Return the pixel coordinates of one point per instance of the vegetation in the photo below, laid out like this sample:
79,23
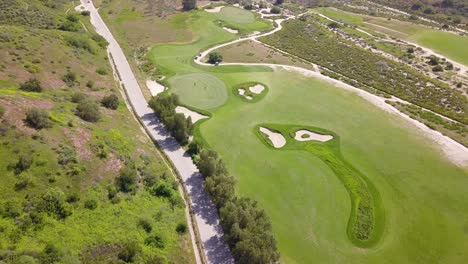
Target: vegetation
177,125
318,45
38,118
189,4
110,101
88,110
31,85
215,58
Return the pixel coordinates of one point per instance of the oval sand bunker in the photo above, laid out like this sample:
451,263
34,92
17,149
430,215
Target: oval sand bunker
189,113
276,139
306,135
257,89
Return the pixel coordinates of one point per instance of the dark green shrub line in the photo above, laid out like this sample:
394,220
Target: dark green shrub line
247,228
308,40
366,219
178,126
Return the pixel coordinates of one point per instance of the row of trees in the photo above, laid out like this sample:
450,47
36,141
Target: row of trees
247,228
179,127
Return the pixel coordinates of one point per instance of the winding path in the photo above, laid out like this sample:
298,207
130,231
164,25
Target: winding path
206,216
453,150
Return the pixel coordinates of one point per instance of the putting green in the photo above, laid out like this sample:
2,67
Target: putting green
423,195
236,15
200,90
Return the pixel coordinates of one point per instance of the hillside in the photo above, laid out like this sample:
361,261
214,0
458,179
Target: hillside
80,181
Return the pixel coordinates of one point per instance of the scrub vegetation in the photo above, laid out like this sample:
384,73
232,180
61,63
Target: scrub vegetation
78,175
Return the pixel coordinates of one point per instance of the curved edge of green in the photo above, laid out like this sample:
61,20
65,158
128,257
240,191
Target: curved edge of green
333,146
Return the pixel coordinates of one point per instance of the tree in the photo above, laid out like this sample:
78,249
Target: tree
31,85
128,252
38,118
127,180
275,10
91,204
279,2
53,202
24,163
88,111
110,101
189,4
215,58
181,228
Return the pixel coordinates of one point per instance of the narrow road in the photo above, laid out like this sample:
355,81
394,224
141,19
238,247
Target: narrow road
207,219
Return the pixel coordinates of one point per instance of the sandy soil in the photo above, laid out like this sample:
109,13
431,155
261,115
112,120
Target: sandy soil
230,30
276,139
242,93
215,10
154,87
257,89
189,113
306,135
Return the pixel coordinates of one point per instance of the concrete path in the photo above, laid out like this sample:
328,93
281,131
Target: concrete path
211,233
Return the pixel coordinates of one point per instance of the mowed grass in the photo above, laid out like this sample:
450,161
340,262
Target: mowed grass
423,195
448,44
200,90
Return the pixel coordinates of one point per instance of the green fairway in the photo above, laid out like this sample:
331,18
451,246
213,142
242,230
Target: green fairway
448,44
423,196
200,90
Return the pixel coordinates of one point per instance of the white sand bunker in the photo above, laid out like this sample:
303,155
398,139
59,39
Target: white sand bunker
258,89
306,135
276,139
189,113
230,30
155,87
242,93
214,10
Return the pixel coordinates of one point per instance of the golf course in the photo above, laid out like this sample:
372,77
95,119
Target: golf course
422,199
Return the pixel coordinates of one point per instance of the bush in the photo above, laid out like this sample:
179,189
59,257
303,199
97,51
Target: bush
215,58
128,252
275,10
38,118
110,101
91,204
69,78
73,198
127,180
181,228
145,224
73,18
2,111
155,241
189,4
31,85
24,163
162,190
51,254
70,26
101,71
53,203
85,13
90,84
437,68
82,42
78,97
88,111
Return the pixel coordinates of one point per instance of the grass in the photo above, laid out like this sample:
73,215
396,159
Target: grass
451,45
422,193
200,90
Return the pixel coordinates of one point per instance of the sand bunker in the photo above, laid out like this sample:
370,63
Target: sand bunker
189,113
242,93
276,139
155,87
214,10
230,30
306,135
258,89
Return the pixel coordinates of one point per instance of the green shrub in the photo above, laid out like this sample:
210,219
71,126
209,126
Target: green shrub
38,118
215,58
181,228
88,111
73,198
53,203
110,101
77,97
90,84
100,40
155,241
127,180
82,42
145,224
24,163
128,252
101,71
73,18
50,254
91,204
161,190
69,78
11,209
85,13
31,85
275,10
70,26
2,111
